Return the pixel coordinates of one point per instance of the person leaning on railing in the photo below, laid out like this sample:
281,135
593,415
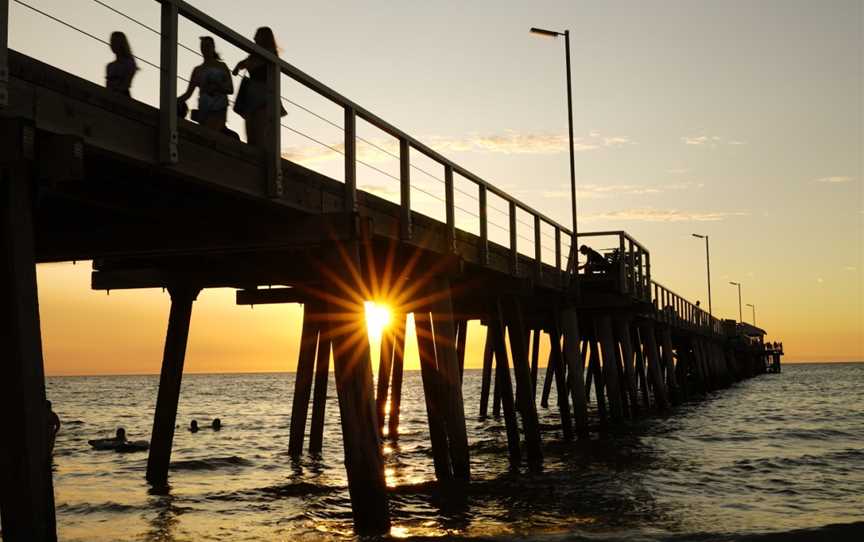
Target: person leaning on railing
251,103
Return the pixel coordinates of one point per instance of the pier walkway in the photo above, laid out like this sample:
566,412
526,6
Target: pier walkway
156,201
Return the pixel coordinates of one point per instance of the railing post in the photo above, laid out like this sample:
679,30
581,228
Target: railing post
405,189
558,253
514,253
484,225
4,53
273,157
168,85
648,268
450,205
538,248
350,160
622,265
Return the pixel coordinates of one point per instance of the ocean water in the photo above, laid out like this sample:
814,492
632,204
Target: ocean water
780,454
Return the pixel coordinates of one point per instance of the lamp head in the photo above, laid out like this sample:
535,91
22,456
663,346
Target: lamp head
546,33
699,236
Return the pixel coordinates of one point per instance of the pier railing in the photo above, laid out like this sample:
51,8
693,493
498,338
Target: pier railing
173,9
673,309
629,261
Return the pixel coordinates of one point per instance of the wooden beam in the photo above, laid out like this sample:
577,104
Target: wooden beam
503,387
269,296
575,369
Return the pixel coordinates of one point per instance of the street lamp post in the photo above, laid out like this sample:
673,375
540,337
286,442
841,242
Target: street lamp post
752,306
708,264
574,254
738,284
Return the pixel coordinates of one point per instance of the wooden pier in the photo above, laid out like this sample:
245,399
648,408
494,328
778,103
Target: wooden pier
158,202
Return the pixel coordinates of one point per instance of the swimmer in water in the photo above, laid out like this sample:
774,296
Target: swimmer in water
217,424
193,427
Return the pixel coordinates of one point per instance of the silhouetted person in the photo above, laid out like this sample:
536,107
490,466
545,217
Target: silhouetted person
53,427
217,424
252,98
193,427
595,262
213,81
119,74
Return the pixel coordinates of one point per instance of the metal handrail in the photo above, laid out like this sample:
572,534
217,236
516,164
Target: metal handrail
172,9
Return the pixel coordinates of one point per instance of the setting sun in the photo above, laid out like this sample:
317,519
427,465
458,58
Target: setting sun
377,319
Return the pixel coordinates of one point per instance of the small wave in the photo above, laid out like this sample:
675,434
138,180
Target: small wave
92,508
212,463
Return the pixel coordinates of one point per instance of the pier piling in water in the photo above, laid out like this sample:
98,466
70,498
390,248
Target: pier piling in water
165,418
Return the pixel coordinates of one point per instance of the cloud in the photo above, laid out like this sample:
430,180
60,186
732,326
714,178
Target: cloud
665,215
506,142
598,191
678,171
710,141
834,180
850,268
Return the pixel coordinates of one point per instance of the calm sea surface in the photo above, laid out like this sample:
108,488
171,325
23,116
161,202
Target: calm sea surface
774,454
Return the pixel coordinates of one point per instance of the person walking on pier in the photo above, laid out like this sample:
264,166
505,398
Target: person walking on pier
119,74
251,101
213,81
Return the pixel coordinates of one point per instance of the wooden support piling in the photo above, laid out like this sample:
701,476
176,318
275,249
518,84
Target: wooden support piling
560,381
597,378
353,370
502,386
669,362
512,310
610,366
461,343
575,360
486,375
432,391
319,395
547,385
622,333
385,364
303,378
652,352
535,361
168,396
398,366
451,380
26,488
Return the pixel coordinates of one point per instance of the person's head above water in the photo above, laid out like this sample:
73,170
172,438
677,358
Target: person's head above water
120,45
208,48
217,424
265,39
193,426
121,433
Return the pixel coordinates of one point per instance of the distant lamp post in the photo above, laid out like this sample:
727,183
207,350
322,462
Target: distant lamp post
738,284
574,253
708,264
752,306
